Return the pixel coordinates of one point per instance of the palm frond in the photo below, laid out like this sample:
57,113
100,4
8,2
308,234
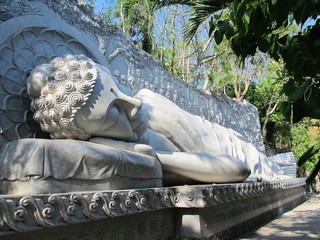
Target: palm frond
165,3
200,12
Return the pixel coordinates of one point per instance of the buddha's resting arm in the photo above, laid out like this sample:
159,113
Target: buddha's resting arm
204,167
121,145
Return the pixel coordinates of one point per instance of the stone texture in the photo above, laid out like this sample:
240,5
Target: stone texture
46,31
132,67
149,225
286,162
226,210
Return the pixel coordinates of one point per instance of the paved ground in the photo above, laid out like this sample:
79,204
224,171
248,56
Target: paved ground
303,222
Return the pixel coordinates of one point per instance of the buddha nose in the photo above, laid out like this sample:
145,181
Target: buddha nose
132,105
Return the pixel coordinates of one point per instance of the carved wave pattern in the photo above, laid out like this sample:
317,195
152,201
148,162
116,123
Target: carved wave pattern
35,212
18,56
32,213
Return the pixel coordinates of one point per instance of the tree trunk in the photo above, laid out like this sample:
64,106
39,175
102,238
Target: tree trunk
269,111
122,18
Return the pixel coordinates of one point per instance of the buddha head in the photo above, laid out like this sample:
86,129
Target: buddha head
73,97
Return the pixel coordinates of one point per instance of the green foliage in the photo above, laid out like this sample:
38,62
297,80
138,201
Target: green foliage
311,157
310,153
137,19
264,25
302,140
280,135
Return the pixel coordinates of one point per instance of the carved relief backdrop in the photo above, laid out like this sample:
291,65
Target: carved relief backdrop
70,28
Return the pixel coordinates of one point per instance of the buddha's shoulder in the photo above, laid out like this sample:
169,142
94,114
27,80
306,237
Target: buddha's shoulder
149,97
144,92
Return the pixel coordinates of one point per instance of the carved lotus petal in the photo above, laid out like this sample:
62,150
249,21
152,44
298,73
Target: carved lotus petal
6,57
39,59
61,49
75,47
24,38
22,57
53,36
43,47
11,84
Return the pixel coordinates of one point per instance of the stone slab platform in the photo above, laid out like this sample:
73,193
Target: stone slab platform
223,211
303,222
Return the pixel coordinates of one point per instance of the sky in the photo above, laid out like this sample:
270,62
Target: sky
99,5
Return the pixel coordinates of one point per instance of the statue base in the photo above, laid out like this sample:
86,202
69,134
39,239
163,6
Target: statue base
219,211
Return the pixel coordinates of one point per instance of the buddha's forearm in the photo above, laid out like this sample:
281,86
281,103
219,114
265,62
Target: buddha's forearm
204,167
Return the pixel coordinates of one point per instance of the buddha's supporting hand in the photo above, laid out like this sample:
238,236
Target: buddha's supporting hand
129,146
204,167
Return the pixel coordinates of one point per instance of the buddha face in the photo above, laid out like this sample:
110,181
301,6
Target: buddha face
73,97
111,113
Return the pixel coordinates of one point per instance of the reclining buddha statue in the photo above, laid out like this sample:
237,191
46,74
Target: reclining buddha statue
103,138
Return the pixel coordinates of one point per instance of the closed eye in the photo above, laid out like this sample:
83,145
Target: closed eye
114,93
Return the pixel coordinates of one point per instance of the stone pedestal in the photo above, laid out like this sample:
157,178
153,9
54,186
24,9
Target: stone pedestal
223,211
232,219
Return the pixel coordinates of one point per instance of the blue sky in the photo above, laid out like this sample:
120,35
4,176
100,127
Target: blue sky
99,5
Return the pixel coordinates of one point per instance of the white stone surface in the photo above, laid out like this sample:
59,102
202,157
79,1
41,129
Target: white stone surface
219,136
286,162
